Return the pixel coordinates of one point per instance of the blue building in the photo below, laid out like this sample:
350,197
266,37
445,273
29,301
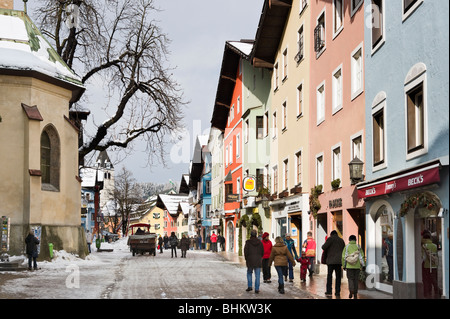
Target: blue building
406,187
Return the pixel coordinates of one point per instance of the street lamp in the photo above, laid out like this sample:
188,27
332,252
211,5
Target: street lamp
356,170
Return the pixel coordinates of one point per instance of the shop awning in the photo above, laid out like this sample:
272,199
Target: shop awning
417,176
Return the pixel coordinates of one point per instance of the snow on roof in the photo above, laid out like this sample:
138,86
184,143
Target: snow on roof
184,207
244,47
87,175
170,202
22,47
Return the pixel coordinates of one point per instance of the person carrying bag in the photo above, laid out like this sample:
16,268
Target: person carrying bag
353,262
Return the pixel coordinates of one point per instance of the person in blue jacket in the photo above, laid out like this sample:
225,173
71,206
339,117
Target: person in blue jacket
289,242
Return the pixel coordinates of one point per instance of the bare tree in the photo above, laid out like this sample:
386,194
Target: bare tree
117,43
126,194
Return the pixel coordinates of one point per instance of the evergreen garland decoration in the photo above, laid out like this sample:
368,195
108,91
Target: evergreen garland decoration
418,200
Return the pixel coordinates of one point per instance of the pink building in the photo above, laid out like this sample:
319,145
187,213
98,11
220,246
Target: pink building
337,115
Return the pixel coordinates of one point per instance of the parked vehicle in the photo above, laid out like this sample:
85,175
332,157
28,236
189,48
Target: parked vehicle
142,241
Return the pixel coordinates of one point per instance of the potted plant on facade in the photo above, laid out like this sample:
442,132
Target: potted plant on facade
314,203
335,184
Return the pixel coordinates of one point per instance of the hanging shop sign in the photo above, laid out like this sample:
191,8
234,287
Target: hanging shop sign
249,184
417,178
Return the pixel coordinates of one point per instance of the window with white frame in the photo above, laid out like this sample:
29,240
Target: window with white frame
320,103
377,24
354,6
266,175
259,127
300,43
275,77
286,174
232,113
337,89
378,135
415,114
226,156
238,143
246,130
284,115
338,16
409,6
238,185
336,168
266,123
298,164
319,170
230,148
319,35
300,100
357,71
238,105
274,124
356,147
275,179
285,63
303,4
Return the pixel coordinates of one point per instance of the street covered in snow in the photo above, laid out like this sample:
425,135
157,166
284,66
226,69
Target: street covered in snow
119,275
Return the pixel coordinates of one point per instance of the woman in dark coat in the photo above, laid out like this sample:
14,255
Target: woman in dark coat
184,245
160,244
31,249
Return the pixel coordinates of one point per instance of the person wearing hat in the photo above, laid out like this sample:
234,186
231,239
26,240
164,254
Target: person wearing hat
289,242
267,244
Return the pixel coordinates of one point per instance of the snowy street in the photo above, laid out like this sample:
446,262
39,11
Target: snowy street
119,275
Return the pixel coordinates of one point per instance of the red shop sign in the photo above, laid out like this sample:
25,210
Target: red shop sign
408,181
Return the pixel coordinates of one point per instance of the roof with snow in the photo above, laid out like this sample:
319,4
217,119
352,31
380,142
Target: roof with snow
24,49
170,202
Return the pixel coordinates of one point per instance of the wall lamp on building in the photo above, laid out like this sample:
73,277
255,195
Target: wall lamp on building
356,170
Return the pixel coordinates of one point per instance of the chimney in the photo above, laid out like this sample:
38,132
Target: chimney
7,4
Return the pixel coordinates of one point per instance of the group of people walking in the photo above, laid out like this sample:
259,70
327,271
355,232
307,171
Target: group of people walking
186,243
261,254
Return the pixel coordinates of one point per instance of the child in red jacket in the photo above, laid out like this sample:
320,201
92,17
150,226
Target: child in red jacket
304,262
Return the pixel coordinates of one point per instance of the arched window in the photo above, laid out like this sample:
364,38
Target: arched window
50,159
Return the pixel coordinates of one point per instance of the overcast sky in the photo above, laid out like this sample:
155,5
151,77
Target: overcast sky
198,30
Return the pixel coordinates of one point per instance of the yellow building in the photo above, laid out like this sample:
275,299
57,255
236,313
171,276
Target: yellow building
283,44
40,186
149,213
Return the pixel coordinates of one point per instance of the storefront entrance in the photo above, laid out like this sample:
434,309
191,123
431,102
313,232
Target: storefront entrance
428,252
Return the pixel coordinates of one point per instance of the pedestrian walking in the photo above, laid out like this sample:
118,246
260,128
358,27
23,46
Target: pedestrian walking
430,263
222,243
166,241
310,251
213,239
290,244
199,242
333,249
184,245
267,244
353,262
253,252
304,264
89,239
279,257
31,249
208,242
191,243
173,240
160,244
